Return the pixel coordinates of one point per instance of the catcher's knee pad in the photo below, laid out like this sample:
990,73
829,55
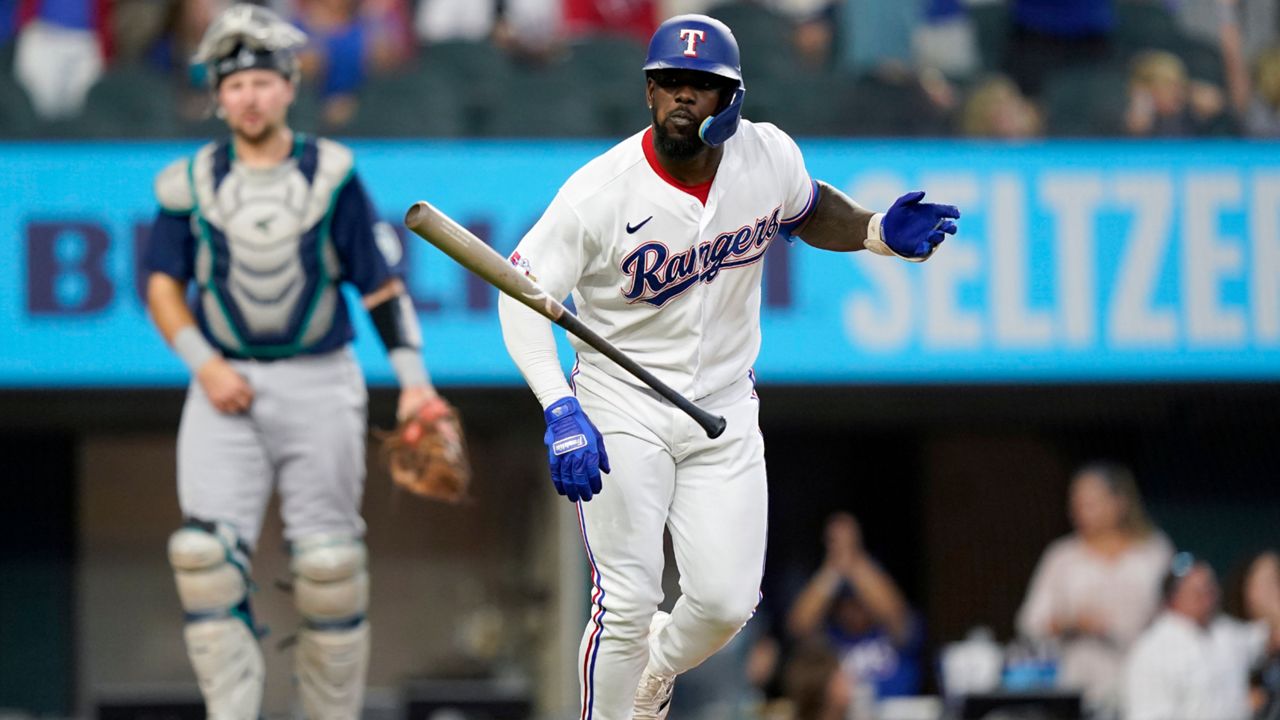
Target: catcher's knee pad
331,589
211,568
330,581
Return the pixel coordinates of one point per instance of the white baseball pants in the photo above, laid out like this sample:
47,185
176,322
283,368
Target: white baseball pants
713,497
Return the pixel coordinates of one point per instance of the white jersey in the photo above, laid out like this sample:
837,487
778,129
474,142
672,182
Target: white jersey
672,283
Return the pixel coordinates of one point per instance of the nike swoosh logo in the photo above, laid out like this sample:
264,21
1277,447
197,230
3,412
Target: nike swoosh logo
633,230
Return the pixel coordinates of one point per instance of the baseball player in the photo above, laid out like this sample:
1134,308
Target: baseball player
659,240
267,225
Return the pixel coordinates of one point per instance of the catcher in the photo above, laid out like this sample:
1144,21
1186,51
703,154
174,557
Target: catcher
268,224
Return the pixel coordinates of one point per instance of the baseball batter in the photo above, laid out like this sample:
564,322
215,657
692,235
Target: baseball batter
660,242
267,225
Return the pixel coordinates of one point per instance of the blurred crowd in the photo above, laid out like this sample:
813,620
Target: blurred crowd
1116,624
1010,69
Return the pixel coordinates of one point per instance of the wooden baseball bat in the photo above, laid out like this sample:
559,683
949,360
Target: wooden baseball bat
472,253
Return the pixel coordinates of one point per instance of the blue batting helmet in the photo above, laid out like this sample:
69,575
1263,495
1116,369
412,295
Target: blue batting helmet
698,42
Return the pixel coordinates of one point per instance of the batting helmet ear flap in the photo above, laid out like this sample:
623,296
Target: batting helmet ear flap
721,126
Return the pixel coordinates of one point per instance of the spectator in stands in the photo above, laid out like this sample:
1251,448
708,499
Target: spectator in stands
61,52
814,684
1258,22
859,610
635,18
1097,588
441,20
348,40
1049,35
996,108
529,29
1255,97
8,21
877,33
140,28
1253,595
1164,102
946,39
812,28
1193,662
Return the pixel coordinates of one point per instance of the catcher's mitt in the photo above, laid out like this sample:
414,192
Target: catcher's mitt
427,453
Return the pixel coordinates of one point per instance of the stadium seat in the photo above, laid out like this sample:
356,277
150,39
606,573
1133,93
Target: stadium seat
608,68
1145,26
18,120
128,102
804,106
886,106
1204,61
548,102
607,58
478,71
764,37
991,25
411,103
1086,102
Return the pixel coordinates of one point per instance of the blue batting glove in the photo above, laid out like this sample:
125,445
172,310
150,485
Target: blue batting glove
575,449
914,229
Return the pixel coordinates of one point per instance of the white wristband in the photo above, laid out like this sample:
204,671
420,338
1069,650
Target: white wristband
192,348
876,244
408,367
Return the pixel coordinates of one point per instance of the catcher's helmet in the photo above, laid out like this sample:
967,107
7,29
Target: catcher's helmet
698,42
246,37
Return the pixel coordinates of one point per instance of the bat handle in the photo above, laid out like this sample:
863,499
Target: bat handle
713,424
715,428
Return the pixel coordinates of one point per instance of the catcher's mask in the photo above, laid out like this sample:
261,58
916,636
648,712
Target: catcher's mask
249,37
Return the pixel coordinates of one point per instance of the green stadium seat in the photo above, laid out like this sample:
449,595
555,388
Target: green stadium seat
608,68
1143,25
18,120
128,102
1204,61
607,58
888,106
1086,102
804,106
478,71
764,38
412,103
992,26
547,103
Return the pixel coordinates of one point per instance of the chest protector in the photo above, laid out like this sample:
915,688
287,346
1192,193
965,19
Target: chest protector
265,262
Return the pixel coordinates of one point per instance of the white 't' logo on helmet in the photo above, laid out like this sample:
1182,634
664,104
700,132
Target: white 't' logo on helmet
691,38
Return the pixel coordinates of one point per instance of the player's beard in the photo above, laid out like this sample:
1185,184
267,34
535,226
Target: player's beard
260,137
676,147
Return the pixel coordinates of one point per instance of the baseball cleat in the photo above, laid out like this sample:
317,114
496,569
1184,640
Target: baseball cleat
653,695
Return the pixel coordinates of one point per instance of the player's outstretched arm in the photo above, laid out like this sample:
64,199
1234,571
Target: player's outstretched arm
836,223
909,229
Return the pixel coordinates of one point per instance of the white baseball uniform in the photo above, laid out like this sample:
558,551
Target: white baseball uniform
675,283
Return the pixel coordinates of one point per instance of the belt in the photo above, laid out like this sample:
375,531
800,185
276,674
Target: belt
250,358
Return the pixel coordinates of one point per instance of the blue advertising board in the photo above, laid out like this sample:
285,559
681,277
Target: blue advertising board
1075,262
